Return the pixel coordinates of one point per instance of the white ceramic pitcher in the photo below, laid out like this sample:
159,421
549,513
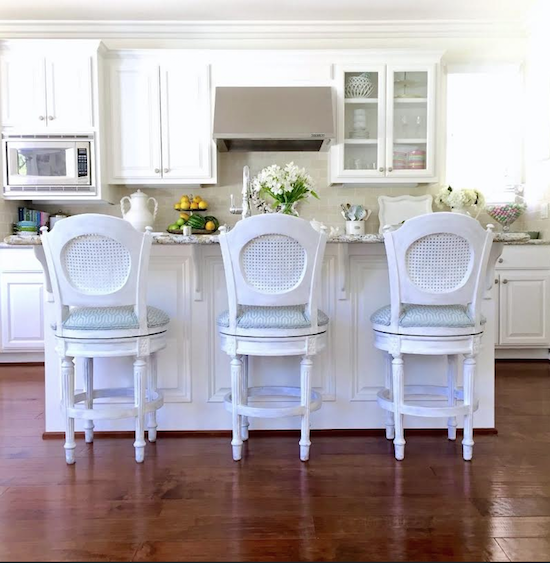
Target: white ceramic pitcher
138,213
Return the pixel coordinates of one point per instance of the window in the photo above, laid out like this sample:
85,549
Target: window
485,130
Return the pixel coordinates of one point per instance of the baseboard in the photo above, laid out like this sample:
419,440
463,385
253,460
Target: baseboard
338,432
22,358
522,354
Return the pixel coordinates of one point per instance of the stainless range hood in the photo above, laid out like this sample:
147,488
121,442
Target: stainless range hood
274,118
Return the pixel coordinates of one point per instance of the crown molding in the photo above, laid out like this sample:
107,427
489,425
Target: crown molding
243,31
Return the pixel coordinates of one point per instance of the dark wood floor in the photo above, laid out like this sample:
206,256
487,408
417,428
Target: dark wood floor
351,502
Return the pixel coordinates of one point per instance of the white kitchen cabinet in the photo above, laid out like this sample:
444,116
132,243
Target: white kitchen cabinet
135,122
46,93
22,311
524,308
21,302
69,92
185,115
23,91
522,295
160,122
385,133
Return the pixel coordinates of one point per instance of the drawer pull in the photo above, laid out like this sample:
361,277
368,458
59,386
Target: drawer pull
504,281
500,260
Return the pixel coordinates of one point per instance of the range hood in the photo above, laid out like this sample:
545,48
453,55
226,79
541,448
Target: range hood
273,118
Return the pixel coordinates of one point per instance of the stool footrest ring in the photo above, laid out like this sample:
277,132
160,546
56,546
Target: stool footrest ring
274,392
383,399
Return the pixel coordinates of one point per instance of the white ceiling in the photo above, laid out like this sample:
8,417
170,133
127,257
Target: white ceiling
267,10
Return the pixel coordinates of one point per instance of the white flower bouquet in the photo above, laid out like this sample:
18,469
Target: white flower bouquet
285,186
460,199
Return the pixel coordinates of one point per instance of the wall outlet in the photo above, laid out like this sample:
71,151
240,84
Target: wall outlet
544,211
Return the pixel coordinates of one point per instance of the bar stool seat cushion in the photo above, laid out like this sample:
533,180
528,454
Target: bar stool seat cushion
433,316
112,318
255,317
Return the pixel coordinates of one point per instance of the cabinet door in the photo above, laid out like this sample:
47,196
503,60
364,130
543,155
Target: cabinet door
186,132
22,313
361,128
524,308
23,92
69,92
410,137
135,122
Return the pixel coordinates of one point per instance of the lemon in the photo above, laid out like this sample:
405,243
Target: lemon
184,198
210,226
184,216
177,206
185,206
194,205
203,205
197,199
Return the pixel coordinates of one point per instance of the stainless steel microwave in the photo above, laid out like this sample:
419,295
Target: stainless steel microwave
48,164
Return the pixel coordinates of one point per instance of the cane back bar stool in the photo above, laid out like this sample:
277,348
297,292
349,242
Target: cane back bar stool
437,266
272,265
98,266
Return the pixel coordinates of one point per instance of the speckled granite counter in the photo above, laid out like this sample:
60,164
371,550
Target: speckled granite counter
166,238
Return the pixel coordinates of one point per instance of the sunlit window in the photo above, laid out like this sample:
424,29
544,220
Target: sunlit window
485,131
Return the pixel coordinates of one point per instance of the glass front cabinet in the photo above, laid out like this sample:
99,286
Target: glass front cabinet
385,124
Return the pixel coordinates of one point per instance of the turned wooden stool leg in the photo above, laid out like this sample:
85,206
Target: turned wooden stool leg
152,392
89,386
244,399
236,386
452,366
469,371
140,374
398,399
390,425
305,386
67,375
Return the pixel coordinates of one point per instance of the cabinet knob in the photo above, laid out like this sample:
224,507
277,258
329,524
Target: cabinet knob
41,117
157,170
381,169
504,281
390,169
51,117
500,260
167,170
496,281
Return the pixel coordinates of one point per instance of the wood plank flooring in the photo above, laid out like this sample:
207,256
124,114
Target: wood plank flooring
351,502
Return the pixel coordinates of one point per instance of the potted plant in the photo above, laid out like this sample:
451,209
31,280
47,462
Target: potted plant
460,200
284,187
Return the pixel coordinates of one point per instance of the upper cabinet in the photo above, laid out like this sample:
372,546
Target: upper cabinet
160,122
385,123
46,93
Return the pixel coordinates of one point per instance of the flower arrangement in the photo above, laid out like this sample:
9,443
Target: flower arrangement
285,186
459,199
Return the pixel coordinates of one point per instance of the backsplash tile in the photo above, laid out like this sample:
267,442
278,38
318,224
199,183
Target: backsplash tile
230,169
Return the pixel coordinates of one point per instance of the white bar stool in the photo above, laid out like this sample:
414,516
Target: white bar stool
98,267
272,267
437,269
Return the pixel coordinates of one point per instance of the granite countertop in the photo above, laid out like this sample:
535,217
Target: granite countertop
166,238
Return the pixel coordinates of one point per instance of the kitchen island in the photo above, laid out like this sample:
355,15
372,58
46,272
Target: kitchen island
187,281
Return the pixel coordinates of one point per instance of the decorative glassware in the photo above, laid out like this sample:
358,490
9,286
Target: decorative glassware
506,213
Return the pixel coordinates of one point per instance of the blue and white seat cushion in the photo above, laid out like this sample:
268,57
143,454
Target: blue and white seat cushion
255,317
427,316
112,318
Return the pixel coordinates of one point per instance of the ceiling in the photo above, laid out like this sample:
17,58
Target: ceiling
266,10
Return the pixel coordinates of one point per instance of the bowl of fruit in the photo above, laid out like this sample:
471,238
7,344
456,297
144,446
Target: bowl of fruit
190,214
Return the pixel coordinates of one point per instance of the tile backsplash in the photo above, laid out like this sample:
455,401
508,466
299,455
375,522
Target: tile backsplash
230,166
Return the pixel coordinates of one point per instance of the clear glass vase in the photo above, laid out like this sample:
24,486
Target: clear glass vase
289,209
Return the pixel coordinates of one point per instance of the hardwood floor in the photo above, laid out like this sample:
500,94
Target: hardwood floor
351,502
